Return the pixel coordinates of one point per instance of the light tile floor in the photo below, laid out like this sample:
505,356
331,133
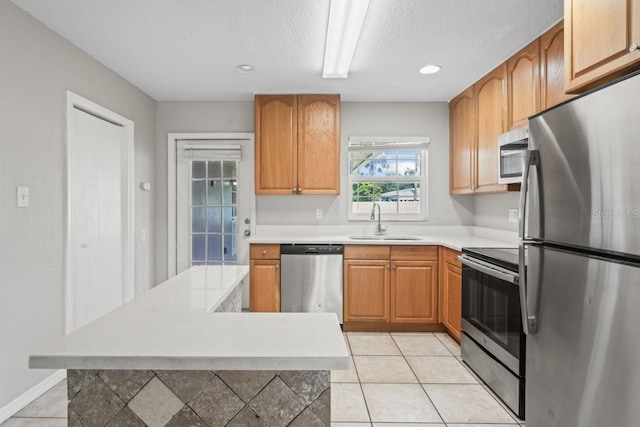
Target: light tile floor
395,380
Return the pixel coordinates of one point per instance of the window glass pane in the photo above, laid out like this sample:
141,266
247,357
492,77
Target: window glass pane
214,169
197,169
214,193
408,163
197,220
197,247
229,170
214,247
229,192
198,192
230,220
230,247
214,220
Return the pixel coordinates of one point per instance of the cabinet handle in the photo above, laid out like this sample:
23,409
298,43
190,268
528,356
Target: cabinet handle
264,252
277,266
299,190
393,267
295,190
633,47
388,266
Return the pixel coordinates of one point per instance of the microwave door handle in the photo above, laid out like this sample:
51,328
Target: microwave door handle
530,159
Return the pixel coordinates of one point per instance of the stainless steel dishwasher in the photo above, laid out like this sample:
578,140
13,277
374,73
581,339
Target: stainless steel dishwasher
311,279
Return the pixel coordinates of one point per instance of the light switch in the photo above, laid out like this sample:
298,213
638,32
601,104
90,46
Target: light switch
513,215
143,235
23,197
319,213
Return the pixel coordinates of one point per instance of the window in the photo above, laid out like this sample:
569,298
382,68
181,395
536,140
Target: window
390,172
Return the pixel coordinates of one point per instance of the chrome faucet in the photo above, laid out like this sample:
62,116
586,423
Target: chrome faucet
380,228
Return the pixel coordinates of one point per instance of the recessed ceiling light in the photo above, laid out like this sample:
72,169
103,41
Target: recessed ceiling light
430,69
245,68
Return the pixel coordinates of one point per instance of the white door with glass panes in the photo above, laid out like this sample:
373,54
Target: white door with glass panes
214,198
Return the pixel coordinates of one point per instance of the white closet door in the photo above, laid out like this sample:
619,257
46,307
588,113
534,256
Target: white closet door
97,216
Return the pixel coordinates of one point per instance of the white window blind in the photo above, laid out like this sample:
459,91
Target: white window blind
191,152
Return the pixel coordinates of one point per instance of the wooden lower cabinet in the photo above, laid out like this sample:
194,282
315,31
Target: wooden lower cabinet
414,291
391,288
450,290
264,278
366,291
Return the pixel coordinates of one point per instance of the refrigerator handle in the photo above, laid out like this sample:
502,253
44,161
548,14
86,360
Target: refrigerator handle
529,321
530,159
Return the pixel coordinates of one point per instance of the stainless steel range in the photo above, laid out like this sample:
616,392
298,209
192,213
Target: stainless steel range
492,339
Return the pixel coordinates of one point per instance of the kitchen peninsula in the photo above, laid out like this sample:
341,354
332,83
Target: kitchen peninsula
172,357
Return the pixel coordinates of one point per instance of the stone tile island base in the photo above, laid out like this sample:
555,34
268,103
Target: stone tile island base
198,398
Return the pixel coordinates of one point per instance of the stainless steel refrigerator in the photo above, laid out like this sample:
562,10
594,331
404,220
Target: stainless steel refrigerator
580,289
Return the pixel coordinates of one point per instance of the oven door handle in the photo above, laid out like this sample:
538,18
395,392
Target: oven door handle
489,270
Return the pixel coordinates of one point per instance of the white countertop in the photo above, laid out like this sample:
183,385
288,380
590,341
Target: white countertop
172,327
456,242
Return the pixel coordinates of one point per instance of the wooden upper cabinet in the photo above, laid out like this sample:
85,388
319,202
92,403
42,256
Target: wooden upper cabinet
297,144
319,144
491,109
523,79
276,144
462,146
552,67
599,41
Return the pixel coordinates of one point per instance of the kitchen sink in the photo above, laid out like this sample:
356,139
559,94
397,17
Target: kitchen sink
385,238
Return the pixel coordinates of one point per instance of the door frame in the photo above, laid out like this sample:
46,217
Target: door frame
172,206
76,101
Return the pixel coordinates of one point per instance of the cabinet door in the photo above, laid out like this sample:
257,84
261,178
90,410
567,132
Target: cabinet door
491,109
451,288
264,285
598,40
276,151
523,77
462,124
319,144
366,291
414,291
552,67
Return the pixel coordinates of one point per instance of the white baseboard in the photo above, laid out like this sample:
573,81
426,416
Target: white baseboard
30,395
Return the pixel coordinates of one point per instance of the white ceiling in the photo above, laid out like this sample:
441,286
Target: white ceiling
187,50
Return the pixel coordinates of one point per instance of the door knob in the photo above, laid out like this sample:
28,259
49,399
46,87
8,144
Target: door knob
247,233
633,47
247,221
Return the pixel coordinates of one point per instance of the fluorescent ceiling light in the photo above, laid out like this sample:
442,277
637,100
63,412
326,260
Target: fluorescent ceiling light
430,69
345,23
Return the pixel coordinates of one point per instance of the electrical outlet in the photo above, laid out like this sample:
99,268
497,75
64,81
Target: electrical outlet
513,215
22,196
143,235
319,213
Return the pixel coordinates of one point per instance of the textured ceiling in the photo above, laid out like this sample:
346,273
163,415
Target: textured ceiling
187,50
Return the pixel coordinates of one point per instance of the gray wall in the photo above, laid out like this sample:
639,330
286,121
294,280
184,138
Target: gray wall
380,119
357,119
492,210
188,117
38,67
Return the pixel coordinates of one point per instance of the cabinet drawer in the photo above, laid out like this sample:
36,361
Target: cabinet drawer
451,257
265,251
414,253
366,252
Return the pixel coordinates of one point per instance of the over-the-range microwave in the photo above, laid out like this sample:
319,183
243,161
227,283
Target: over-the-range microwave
512,147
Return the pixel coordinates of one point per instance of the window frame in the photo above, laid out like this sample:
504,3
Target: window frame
385,144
